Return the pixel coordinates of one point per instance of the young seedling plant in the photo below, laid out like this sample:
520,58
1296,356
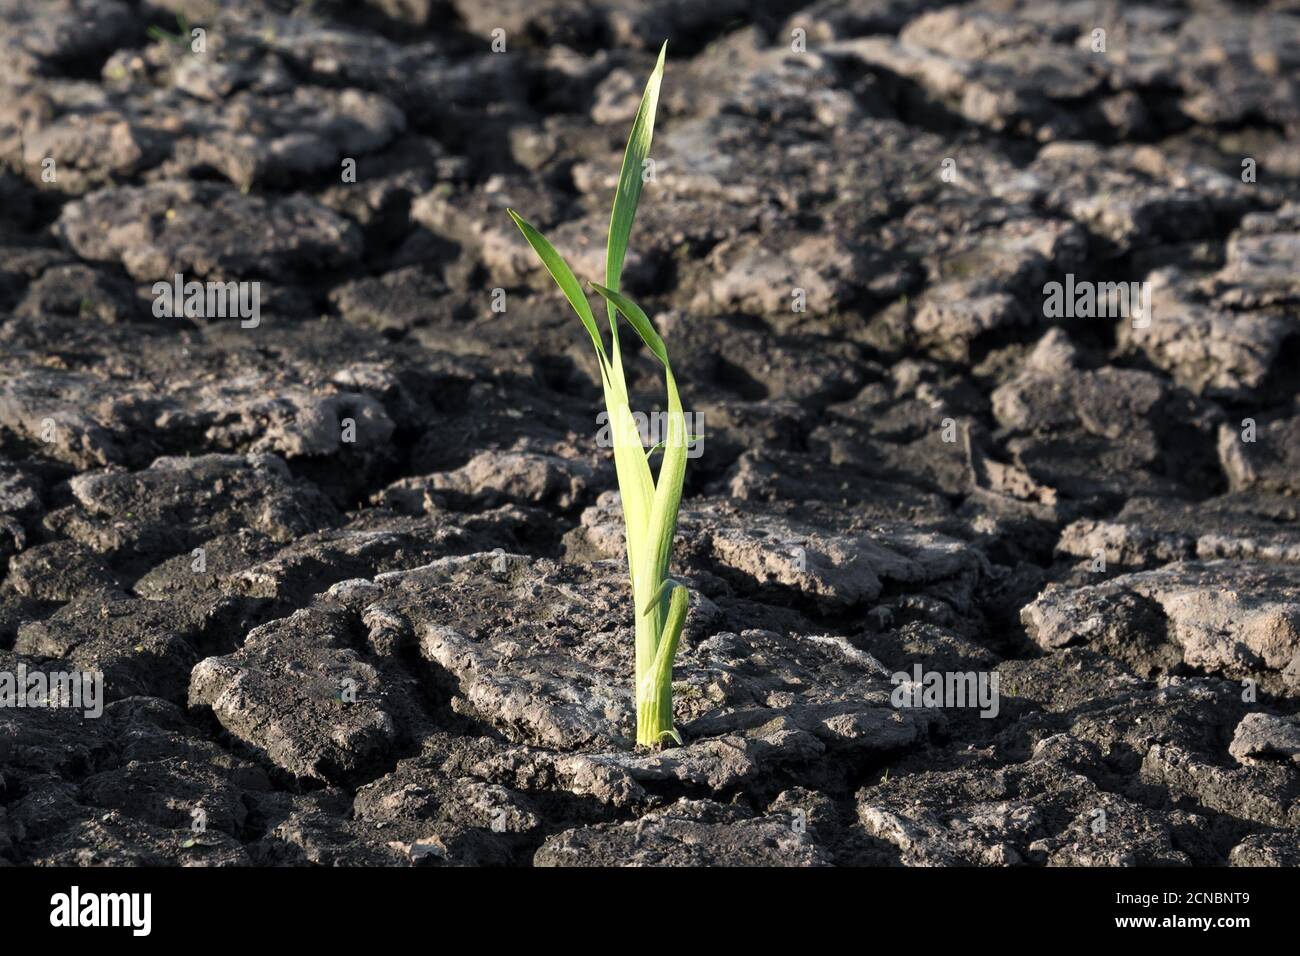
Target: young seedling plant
649,506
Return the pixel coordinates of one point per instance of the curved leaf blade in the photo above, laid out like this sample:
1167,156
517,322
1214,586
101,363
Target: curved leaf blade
637,318
567,281
630,178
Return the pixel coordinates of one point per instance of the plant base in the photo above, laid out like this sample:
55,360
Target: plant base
654,718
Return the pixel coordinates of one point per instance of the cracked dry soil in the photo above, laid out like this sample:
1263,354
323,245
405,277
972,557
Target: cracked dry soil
412,643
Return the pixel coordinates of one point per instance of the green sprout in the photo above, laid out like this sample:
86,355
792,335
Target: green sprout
649,506
181,38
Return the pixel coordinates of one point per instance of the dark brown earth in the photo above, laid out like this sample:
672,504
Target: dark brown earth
410,642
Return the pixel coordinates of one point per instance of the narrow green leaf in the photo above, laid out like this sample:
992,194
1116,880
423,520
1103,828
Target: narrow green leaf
673,733
630,183
636,493
636,486
638,320
690,440
668,489
667,649
567,282
658,595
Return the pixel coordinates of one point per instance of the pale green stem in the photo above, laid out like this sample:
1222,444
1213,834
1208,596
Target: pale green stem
654,688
